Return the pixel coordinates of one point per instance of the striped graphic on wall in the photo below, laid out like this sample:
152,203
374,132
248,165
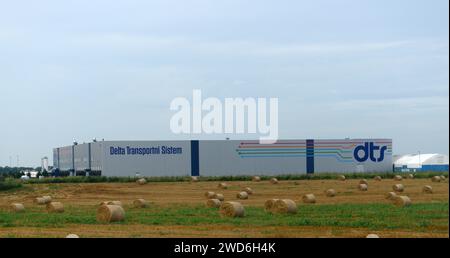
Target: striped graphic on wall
340,150
253,149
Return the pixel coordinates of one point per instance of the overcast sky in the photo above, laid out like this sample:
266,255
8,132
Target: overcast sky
109,69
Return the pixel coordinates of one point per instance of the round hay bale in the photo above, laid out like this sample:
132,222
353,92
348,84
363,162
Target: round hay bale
248,190
256,179
40,200
398,188
223,186
309,198
219,197
284,206
443,178
330,193
274,181
194,179
341,178
372,236
55,207
268,205
119,203
210,195
47,199
103,203
296,183
391,195
140,203
363,181
232,209
427,189
402,201
213,203
377,178
72,236
363,187
410,176
398,178
141,181
436,179
17,207
242,195
110,213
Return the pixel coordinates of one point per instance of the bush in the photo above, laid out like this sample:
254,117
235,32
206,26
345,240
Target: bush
7,184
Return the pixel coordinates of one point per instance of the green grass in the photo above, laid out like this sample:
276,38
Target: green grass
9,184
321,176
418,217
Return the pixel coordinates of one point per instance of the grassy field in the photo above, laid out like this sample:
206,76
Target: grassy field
177,210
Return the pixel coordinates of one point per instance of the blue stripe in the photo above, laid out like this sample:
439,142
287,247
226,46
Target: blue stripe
434,168
310,156
195,159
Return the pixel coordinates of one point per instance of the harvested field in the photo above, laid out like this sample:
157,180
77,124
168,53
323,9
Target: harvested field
178,210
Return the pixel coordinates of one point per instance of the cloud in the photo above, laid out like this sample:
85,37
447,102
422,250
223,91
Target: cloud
140,43
399,104
320,49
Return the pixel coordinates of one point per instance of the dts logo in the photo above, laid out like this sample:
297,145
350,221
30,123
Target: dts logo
366,151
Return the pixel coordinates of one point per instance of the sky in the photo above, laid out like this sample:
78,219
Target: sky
80,69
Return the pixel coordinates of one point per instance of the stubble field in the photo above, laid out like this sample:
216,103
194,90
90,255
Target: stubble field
177,209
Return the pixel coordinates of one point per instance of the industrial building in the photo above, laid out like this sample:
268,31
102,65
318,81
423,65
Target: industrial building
224,157
420,162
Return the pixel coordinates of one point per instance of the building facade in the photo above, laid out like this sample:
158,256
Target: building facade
224,157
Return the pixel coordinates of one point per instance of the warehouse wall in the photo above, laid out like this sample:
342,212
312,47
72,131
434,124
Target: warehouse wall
217,158
339,155
56,158
81,157
152,164
97,156
250,157
66,158
293,156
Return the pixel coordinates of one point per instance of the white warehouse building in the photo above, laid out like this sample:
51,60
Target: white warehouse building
223,157
421,162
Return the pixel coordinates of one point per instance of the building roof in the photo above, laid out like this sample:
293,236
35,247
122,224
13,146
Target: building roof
417,160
